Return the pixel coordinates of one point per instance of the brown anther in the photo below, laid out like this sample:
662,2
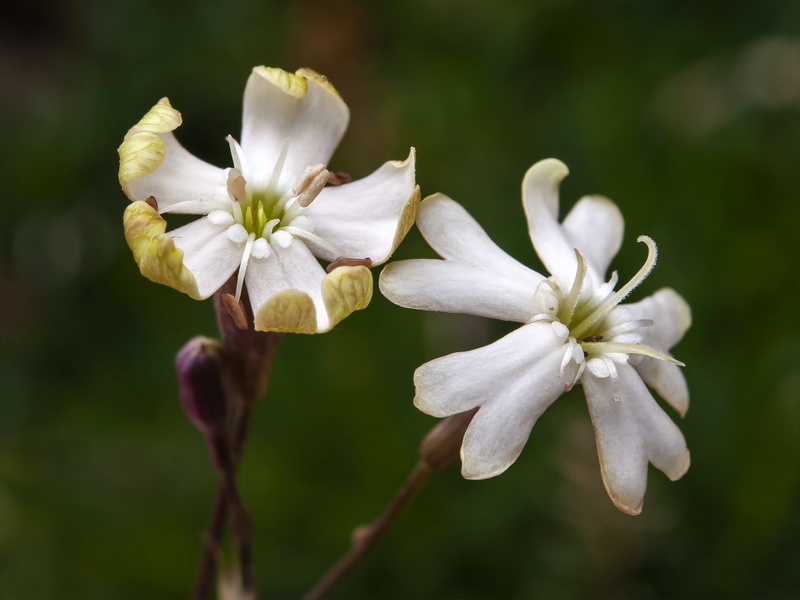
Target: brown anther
311,183
237,184
339,177
151,201
593,338
235,309
344,261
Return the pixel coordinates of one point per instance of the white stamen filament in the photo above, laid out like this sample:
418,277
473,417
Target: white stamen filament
243,265
602,311
237,210
237,159
276,171
606,347
626,327
614,374
269,226
311,237
567,308
568,353
283,200
209,203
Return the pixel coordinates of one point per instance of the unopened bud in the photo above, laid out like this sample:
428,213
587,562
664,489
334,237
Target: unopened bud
311,183
440,447
201,369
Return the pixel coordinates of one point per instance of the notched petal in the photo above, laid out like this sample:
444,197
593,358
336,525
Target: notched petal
154,251
345,290
143,150
290,311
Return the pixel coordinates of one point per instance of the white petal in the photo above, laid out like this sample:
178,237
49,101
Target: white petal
293,267
461,381
667,379
447,286
301,107
455,235
361,219
595,226
513,380
182,184
630,433
540,200
669,312
207,253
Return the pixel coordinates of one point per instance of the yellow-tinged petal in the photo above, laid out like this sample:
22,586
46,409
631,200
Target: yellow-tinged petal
346,289
293,84
319,79
154,251
290,311
407,218
159,119
143,149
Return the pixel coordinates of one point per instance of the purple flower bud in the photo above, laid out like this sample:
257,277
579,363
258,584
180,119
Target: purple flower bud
202,370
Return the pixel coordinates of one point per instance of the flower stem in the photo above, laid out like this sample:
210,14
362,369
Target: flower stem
219,516
438,449
251,353
366,536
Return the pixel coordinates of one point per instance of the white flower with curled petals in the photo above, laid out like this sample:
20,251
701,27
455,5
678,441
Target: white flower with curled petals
269,217
574,331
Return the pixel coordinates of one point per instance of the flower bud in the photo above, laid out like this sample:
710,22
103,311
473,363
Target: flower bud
441,446
201,369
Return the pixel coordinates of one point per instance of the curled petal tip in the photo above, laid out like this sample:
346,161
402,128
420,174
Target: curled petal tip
549,171
346,289
319,79
143,151
290,83
154,251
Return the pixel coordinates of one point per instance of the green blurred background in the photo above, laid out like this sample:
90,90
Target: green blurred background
685,113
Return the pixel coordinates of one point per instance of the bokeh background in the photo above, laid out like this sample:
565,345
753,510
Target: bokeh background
685,113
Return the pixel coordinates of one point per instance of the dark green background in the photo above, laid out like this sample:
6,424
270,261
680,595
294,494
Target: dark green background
676,110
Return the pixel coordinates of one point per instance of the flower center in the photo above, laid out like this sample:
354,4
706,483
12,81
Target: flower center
263,219
586,318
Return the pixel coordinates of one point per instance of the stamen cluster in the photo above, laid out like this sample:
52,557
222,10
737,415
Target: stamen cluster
593,340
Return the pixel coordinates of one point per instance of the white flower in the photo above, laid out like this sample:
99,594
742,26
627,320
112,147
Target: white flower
270,216
574,331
